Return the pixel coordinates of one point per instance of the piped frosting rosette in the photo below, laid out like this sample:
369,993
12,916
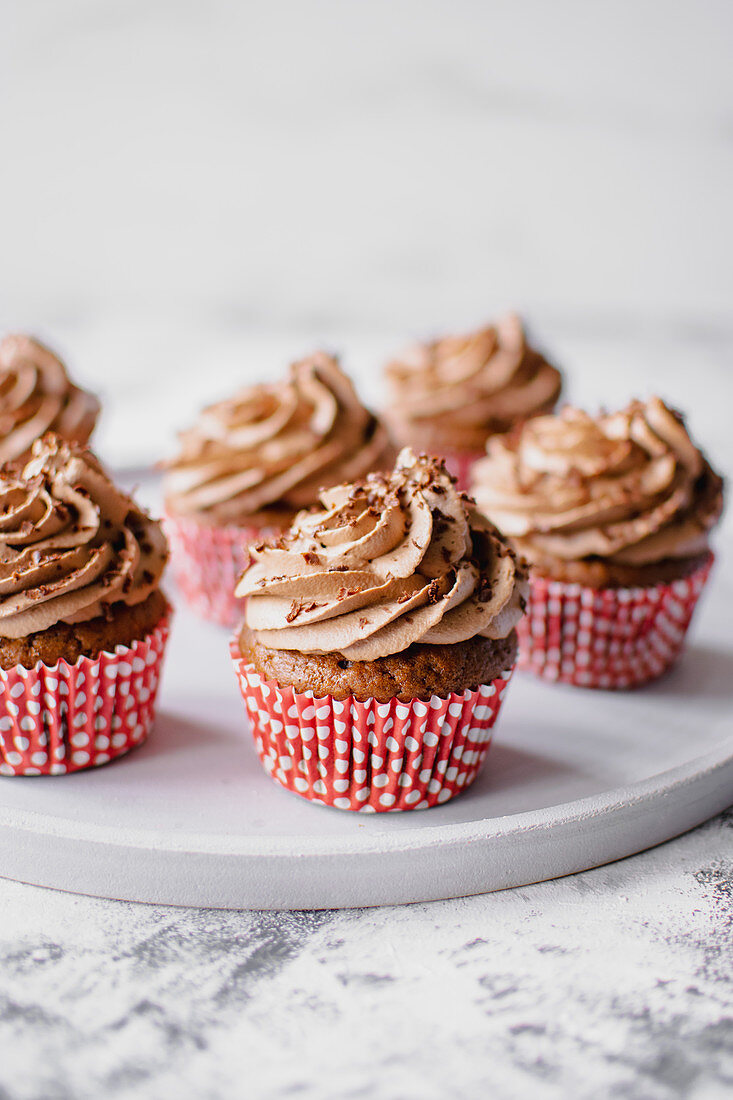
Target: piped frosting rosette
451,394
251,462
71,543
275,445
614,513
73,548
385,564
37,396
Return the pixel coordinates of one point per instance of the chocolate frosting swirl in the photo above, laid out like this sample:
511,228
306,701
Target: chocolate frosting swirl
71,544
628,487
457,391
394,560
276,445
37,396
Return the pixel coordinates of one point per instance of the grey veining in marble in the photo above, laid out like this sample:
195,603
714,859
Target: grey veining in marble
612,983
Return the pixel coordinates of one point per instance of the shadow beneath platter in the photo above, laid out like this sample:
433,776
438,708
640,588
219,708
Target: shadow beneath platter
702,671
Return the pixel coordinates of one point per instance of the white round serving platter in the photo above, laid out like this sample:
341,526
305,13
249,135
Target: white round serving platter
575,778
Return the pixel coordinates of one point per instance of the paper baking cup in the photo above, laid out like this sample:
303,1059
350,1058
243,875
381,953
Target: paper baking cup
607,637
370,756
206,563
63,718
460,463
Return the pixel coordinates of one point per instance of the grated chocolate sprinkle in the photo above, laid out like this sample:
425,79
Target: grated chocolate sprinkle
434,594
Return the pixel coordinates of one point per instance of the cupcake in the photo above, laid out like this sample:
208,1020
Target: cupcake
37,396
613,512
251,463
379,639
83,622
450,395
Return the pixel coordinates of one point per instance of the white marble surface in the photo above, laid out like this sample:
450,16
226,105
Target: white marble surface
190,194
614,983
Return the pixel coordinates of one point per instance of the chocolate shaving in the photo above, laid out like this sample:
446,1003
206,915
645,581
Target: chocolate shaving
485,590
433,593
344,592
297,608
293,612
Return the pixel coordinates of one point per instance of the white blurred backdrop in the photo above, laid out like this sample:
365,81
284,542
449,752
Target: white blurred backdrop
191,193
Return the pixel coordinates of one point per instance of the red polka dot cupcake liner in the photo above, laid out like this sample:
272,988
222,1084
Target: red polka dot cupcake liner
56,719
206,563
607,637
370,756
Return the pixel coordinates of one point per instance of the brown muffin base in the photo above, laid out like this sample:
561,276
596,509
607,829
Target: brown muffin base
419,672
88,639
596,573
